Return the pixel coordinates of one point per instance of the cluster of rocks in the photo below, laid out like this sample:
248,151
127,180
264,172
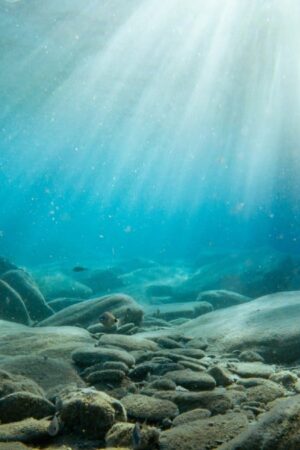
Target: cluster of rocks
220,372
181,392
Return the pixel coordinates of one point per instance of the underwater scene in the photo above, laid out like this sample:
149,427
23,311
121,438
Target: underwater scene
150,224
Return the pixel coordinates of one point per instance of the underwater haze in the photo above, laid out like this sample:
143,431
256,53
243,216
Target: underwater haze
148,128
149,224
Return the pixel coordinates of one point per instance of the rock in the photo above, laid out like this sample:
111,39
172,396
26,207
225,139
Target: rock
222,298
100,280
216,401
61,303
173,311
32,297
285,377
199,343
203,434
167,342
57,285
106,376
11,383
252,370
203,308
129,343
277,429
196,381
47,373
28,430
252,274
221,376
52,342
88,356
142,407
22,405
250,356
266,392
12,307
267,325
6,265
162,384
90,413
191,416
87,313
121,435
109,365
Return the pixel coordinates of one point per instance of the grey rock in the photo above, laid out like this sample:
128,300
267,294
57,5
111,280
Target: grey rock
61,303
12,383
267,325
90,413
47,373
205,433
129,343
216,401
277,429
106,376
222,298
252,370
191,416
142,407
88,356
87,313
34,300
22,405
203,308
28,430
250,356
195,381
120,434
12,307
221,376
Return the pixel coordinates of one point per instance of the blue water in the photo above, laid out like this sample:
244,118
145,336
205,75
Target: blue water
148,128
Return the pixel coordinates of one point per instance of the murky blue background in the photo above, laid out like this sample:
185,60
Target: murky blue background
148,128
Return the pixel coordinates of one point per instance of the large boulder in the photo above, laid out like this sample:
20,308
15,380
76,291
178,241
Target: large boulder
277,429
35,303
87,313
203,434
90,412
89,355
268,325
252,274
12,307
222,298
22,405
154,410
46,372
57,285
47,342
12,383
27,430
129,343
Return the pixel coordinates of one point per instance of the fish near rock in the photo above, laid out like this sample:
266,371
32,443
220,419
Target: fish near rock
108,320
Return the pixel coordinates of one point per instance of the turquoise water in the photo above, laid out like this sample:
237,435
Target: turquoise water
148,128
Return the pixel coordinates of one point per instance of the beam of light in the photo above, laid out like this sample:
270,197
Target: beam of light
166,104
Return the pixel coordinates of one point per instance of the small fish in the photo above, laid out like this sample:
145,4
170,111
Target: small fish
136,435
54,426
108,320
79,269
